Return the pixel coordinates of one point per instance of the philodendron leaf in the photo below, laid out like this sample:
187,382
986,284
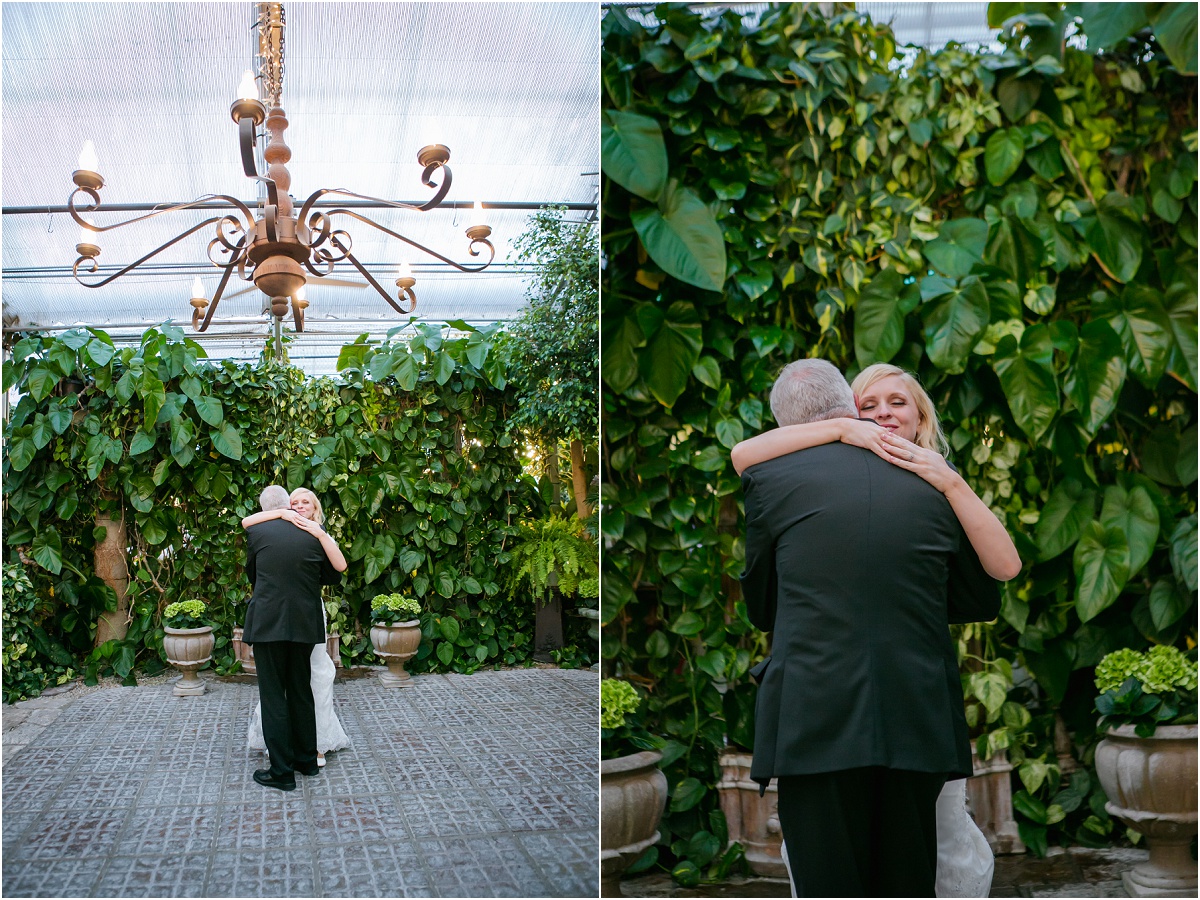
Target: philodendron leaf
1167,603
1114,236
1068,509
1138,318
879,319
228,441
1175,31
666,365
46,549
632,153
1183,551
1003,154
1107,23
1101,569
1180,304
1132,512
958,247
953,324
683,238
1094,382
1026,372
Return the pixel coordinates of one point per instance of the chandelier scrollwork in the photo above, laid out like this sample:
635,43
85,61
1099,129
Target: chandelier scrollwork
275,248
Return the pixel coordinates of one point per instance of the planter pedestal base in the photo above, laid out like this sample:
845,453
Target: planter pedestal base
1159,875
191,685
395,676
633,795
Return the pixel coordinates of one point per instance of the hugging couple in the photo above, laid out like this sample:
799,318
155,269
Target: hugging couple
862,545
289,556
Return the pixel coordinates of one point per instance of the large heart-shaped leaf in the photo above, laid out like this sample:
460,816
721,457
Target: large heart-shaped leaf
1114,235
683,238
1026,372
1107,23
1134,513
227,440
1014,249
1183,551
632,152
958,247
1138,318
1180,305
879,319
1101,569
46,549
1175,30
210,410
21,448
1017,93
1094,382
1167,603
1003,154
619,361
1068,509
953,324
667,363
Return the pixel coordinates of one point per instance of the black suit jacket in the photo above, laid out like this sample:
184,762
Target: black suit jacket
857,566
286,567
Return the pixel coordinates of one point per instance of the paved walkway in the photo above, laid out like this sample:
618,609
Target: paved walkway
477,785
1078,872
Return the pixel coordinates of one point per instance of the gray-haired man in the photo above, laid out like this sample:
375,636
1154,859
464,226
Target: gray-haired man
854,564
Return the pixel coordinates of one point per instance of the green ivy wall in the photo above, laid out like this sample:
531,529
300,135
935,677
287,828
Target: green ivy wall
1020,231
408,449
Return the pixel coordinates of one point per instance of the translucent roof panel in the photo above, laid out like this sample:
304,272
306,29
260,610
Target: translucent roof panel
511,88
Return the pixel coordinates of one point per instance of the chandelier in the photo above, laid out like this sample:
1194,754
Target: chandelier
275,248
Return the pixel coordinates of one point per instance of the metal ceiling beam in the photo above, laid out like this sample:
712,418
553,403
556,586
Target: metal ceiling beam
320,204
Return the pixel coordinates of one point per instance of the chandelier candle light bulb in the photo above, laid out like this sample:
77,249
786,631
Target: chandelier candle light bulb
476,230
86,175
87,246
248,87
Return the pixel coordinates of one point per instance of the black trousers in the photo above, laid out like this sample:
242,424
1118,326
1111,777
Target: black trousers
289,719
868,832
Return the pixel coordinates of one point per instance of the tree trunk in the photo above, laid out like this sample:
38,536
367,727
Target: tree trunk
579,480
112,567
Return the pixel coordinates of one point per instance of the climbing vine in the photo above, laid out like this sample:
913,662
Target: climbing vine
1018,229
408,449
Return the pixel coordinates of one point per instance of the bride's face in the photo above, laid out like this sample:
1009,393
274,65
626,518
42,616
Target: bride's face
303,504
889,403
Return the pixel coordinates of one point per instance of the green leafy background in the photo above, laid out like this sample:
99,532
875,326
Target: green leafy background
1018,229
422,481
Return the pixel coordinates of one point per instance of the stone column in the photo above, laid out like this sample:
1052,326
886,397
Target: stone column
112,567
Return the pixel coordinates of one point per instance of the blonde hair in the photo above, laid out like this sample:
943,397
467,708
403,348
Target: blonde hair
929,429
318,513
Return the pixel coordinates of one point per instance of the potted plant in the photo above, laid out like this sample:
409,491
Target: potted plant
554,558
1147,761
633,790
396,635
187,643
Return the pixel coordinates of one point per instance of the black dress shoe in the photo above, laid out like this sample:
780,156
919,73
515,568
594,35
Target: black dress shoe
266,779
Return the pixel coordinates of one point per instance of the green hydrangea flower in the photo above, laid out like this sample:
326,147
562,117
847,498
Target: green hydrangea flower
1165,669
1116,667
617,699
191,609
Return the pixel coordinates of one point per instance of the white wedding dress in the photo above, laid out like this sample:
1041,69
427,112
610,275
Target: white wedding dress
330,735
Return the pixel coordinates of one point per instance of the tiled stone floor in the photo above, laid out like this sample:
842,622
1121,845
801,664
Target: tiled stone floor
1078,872
461,786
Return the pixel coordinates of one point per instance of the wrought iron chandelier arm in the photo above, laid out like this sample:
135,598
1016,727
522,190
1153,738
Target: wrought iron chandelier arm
471,249
94,206
375,284
212,306
179,237
424,207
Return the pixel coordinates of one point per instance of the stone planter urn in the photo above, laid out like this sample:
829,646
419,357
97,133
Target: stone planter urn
633,795
188,649
1151,787
395,645
753,820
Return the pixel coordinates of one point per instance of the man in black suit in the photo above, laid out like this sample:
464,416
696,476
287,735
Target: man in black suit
857,566
286,566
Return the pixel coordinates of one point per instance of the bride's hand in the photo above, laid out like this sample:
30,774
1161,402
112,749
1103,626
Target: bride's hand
867,435
929,465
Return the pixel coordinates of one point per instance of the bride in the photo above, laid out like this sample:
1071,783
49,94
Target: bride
330,735
906,433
